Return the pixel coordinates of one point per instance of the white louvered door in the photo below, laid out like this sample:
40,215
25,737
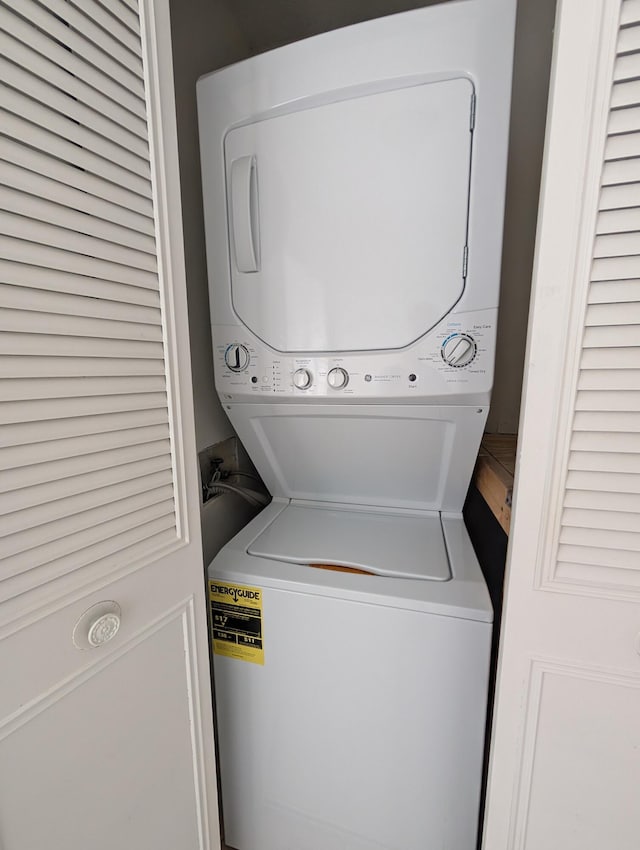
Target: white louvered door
106,735
565,763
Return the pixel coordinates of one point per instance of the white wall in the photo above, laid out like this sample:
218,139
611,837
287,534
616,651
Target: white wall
205,37
534,40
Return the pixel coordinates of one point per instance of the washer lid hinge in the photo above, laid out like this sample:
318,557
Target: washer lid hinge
472,120
465,261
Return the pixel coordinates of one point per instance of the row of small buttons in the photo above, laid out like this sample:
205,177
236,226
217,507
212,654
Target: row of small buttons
336,378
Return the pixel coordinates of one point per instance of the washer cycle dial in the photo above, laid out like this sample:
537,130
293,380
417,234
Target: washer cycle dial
458,350
236,357
302,379
338,378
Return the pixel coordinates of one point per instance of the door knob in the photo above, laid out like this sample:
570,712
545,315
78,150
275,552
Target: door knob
98,625
103,629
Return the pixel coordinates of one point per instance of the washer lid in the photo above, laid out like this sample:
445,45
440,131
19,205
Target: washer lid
348,220
388,544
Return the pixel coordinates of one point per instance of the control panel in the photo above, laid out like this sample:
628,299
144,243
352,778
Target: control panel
455,358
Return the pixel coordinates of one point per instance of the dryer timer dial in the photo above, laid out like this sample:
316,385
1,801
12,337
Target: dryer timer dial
458,350
237,357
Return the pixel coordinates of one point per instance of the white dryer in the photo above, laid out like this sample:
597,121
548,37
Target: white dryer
354,189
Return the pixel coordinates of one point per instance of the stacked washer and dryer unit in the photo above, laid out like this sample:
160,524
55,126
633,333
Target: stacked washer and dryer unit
354,190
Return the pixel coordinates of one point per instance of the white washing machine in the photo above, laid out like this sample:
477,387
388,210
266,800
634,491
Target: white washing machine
354,191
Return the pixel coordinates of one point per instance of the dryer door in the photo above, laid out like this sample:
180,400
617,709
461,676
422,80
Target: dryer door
348,220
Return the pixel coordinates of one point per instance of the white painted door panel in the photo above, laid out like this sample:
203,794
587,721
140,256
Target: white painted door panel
353,248
103,747
109,746
565,761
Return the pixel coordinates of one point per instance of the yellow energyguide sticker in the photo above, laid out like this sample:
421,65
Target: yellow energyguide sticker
236,621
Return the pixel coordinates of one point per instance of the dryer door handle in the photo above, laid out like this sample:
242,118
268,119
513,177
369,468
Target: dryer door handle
244,213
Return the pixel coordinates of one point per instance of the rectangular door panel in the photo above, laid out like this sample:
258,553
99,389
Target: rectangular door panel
348,220
99,747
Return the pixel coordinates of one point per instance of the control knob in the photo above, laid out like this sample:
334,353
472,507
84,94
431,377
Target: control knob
302,379
458,350
237,357
338,378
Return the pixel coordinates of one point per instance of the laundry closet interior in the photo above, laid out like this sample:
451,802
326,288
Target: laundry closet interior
208,36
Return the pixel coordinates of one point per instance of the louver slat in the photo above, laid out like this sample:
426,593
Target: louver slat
49,450
621,335
48,345
61,118
630,13
26,298
50,492
605,462
626,94
609,379
108,26
20,53
618,197
607,420
627,67
73,544
128,17
40,514
49,388
76,66
617,245
34,322
24,81
597,557
609,292
33,433
150,504
605,441
629,39
622,170
82,21
610,400
86,464
33,207
108,554
76,42
87,367
134,230
611,482
43,410
601,315
607,520
53,145
616,542
55,470
612,358
619,221
38,230
134,210
46,279
600,527
604,501
32,253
